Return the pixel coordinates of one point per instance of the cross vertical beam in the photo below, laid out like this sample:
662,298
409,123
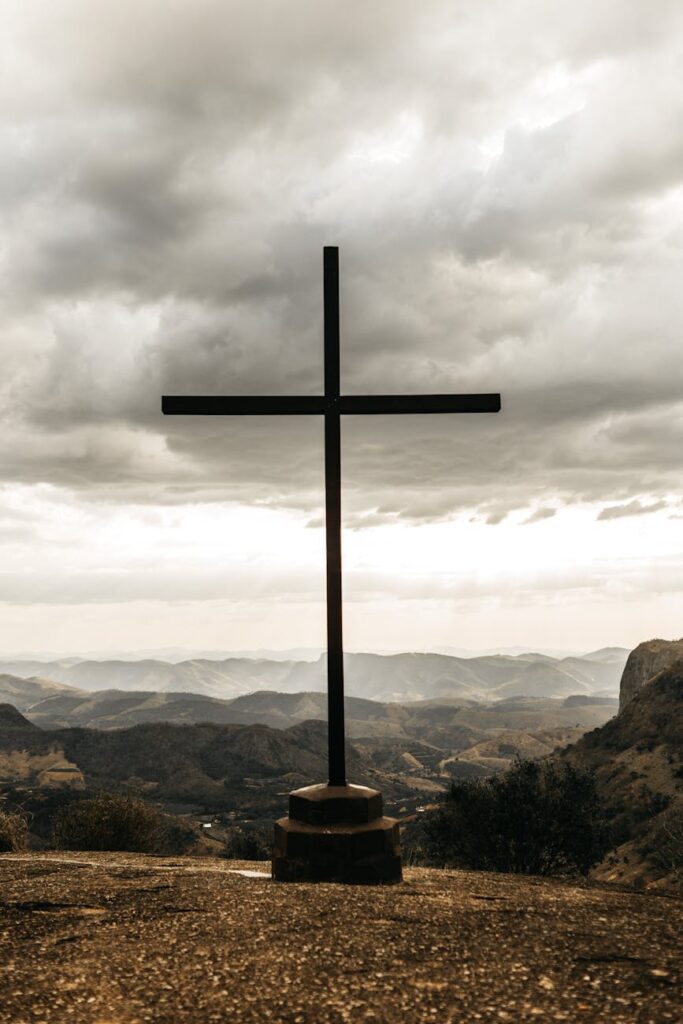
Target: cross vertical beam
335,656
332,405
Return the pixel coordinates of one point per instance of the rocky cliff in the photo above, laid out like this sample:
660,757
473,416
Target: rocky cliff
648,659
637,758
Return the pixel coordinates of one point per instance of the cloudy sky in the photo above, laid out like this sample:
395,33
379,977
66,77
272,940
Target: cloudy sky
505,183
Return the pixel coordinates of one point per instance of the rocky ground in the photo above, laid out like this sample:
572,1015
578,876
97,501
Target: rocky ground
123,938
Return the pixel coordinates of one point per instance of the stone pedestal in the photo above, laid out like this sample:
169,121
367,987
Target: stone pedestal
336,834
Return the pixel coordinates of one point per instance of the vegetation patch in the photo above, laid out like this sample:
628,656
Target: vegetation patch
13,831
110,822
249,844
537,818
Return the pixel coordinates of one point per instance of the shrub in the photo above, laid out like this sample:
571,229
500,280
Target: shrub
109,822
251,844
178,837
536,818
13,831
668,845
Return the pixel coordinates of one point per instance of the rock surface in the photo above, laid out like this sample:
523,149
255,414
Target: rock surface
104,938
644,663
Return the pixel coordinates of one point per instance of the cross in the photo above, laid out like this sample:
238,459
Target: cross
332,405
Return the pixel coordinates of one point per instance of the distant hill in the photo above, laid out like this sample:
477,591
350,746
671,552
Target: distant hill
250,768
495,754
120,709
249,752
10,718
442,721
396,677
212,678
23,692
607,655
581,701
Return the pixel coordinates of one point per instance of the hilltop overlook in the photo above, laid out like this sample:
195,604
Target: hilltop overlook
95,937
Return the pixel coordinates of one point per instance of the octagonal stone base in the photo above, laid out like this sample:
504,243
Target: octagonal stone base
336,834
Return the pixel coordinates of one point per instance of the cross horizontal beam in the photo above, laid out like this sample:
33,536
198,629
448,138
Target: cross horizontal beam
296,405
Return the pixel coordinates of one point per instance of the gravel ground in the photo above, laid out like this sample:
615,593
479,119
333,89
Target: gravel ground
104,938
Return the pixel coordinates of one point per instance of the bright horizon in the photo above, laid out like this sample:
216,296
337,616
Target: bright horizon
176,655
400,582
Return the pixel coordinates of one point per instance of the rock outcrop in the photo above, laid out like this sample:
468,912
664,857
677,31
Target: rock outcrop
637,759
645,662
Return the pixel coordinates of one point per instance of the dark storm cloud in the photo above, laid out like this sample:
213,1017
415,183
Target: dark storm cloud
502,180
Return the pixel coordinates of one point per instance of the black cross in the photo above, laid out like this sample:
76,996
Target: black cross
332,406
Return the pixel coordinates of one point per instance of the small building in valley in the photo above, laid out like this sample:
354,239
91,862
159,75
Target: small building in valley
62,775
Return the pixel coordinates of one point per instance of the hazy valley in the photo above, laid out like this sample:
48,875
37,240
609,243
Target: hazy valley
233,760
466,717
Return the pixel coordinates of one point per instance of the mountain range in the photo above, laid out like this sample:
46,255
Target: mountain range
443,721
413,720
243,769
269,742
388,678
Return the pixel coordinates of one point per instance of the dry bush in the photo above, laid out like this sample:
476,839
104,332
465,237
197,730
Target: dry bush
13,831
110,822
668,854
249,844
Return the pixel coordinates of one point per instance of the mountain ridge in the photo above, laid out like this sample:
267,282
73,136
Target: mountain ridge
392,677
115,709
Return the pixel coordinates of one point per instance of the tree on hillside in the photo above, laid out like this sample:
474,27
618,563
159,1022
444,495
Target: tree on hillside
539,817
